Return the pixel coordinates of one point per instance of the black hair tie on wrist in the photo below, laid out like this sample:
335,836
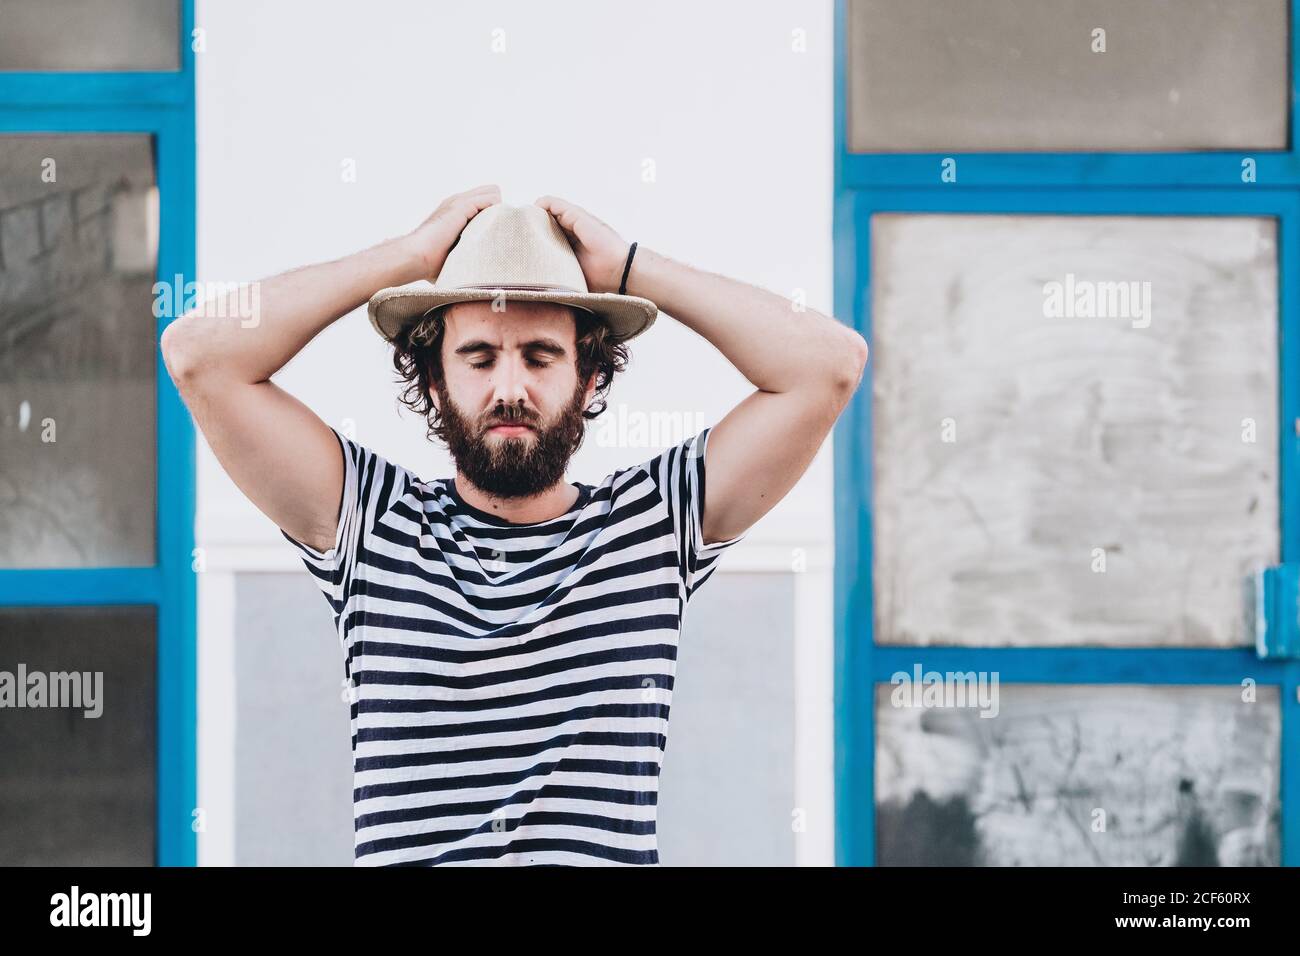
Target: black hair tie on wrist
627,267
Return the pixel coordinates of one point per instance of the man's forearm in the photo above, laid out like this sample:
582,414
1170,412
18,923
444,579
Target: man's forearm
775,346
214,338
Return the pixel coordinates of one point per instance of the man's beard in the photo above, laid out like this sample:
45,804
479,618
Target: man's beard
516,467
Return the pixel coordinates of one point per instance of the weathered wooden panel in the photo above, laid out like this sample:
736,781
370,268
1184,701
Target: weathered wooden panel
1081,776
1043,478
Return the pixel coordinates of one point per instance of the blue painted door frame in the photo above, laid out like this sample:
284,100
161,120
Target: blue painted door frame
162,105
1156,184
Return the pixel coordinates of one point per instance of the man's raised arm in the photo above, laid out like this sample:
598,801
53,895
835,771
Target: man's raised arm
275,449
805,367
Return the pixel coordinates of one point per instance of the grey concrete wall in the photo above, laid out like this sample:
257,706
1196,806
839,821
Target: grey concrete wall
726,792
293,759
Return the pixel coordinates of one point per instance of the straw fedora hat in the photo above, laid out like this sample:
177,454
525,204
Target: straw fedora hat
521,254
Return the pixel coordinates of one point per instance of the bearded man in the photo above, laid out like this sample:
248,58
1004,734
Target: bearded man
509,636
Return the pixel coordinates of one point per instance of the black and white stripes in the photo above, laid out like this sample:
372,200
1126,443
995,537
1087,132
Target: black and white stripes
512,682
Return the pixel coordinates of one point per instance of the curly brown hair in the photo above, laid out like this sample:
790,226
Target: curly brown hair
417,358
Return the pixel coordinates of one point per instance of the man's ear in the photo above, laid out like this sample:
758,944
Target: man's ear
432,392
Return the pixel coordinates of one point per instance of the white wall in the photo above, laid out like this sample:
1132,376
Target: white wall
736,123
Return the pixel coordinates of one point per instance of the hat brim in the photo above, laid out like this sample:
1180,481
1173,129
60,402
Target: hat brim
391,309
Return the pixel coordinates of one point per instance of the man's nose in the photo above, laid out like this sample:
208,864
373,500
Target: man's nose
510,383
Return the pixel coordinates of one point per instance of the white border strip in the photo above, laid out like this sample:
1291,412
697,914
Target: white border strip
217,716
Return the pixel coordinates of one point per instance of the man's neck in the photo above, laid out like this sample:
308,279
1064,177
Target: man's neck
544,506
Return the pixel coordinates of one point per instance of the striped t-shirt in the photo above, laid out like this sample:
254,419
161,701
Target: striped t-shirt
511,683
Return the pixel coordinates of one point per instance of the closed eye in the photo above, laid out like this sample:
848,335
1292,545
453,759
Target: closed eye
486,363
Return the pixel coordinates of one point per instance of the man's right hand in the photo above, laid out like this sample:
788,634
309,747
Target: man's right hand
279,453
434,237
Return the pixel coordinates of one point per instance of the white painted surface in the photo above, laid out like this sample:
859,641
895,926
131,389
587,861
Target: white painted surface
584,99
217,715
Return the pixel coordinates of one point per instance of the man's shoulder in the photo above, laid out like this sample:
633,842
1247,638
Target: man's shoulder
367,459
650,474
383,483
672,459
624,478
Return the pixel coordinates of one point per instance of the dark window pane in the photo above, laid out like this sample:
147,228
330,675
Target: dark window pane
77,355
77,789
89,35
1075,775
978,75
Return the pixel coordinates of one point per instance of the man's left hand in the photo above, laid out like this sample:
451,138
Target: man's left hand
601,251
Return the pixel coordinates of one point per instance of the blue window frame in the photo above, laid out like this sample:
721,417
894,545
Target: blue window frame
162,105
1165,184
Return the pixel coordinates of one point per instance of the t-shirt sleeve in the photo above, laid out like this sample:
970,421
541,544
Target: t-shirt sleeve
371,485
679,474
